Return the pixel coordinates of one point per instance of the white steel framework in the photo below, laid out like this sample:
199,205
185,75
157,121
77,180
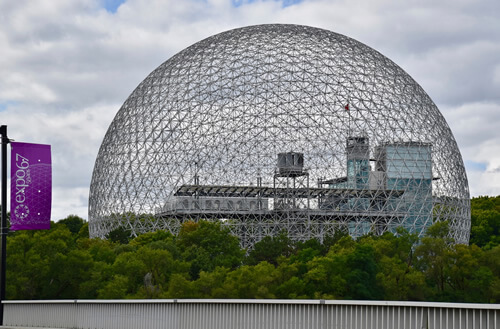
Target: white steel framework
279,127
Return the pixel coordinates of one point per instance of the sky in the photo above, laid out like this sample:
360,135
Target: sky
67,66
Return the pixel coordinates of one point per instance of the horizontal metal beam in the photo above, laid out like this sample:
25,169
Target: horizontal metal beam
249,314
280,192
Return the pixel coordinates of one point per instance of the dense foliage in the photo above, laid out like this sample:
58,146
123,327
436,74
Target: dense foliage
205,261
485,217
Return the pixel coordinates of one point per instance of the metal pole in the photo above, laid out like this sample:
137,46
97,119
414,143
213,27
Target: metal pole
4,229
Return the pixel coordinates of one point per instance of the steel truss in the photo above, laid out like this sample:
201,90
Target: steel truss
276,127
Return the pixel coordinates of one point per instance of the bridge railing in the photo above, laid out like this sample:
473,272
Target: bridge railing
249,314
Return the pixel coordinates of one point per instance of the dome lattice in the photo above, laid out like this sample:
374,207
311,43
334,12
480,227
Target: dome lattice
276,127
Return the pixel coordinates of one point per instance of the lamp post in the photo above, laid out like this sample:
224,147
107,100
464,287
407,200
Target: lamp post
4,228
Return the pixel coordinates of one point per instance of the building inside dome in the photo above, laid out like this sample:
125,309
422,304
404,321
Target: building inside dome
279,127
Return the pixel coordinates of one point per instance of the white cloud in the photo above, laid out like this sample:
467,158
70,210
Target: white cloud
476,131
67,66
69,201
75,137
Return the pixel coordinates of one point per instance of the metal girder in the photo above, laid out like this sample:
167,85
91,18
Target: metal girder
212,120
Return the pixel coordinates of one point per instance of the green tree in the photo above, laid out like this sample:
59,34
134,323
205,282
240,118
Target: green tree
100,250
117,288
205,261
250,282
289,279
180,287
325,277
206,245
67,272
151,237
395,259
468,279
45,264
293,288
26,269
400,281
211,284
269,249
485,222
100,275
119,235
159,266
330,240
491,259
158,240
432,254
129,269
361,274
73,223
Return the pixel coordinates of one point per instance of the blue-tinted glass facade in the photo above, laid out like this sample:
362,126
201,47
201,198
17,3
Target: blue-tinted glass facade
408,168
358,173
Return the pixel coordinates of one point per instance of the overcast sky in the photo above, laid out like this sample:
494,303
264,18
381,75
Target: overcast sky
66,66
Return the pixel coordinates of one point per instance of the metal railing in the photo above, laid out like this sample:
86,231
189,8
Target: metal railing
249,314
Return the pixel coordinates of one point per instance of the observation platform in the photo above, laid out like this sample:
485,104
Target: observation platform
326,203
281,192
312,214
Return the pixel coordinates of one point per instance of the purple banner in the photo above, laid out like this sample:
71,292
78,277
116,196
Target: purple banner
30,186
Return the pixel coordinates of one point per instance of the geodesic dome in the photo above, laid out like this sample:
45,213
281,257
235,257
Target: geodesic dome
276,127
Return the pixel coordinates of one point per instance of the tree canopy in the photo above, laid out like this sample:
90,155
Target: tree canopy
205,261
